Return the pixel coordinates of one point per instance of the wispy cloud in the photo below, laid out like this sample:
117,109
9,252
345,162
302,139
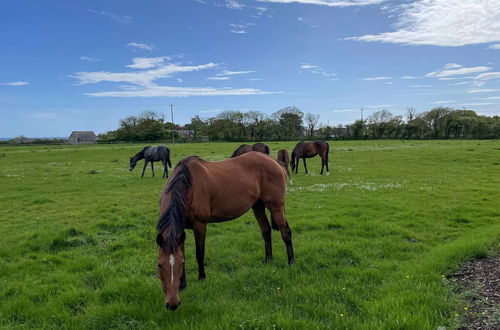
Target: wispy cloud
147,62
421,86
142,83
122,19
330,3
345,110
376,78
453,69
488,76
421,23
219,78
316,69
167,91
378,106
484,90
445,102
409,77
491,98
232,73
15,83
478,104
88,59
231,4
140,46
238,31
496,46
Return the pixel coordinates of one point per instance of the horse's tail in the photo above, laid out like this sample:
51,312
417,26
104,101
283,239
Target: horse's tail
169,163
171,222
327,150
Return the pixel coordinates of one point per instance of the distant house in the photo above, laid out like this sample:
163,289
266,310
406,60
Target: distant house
82,137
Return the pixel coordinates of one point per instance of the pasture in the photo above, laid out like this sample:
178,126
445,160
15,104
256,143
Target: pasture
373,241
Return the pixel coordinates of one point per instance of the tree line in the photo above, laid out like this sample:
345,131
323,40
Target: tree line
290,123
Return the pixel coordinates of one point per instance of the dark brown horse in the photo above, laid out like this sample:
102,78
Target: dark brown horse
244,148
284,158
201,192
308,150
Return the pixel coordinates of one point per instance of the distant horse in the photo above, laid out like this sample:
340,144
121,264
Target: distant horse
244,148
201,192
284,158
152,154
308,150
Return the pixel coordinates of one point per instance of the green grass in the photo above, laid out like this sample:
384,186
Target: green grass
372,240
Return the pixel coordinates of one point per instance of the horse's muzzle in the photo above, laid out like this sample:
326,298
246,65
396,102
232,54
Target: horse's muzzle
173,307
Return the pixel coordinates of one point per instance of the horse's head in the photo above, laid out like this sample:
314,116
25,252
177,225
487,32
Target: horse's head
133,162
171,270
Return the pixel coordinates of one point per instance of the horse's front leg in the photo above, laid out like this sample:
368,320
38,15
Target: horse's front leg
144,168
183,284
200,231
152,169
297,165
305,166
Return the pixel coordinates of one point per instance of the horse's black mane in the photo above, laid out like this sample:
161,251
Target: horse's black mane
173,217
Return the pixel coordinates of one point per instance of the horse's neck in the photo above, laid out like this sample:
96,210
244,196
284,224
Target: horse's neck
139,155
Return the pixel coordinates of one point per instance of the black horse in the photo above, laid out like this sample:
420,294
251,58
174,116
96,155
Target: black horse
152,154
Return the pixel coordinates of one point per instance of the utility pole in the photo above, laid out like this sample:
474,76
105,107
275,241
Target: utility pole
362,113
172,114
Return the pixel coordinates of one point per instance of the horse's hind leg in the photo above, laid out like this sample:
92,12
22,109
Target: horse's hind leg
144,168
322,165
278,214
305,166
152,169
259,211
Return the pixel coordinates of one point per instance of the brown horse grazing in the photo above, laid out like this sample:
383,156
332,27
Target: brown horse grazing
308,150
200,192
284,158
244,148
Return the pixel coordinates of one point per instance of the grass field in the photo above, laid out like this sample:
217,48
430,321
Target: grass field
372,241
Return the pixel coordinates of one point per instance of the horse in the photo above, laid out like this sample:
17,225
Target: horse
152,154
201,192
308,150
244,148
284,158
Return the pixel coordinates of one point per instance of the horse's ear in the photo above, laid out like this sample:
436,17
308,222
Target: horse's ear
159,239
182,238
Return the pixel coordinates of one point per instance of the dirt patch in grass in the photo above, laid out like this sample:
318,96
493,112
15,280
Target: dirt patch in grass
478,282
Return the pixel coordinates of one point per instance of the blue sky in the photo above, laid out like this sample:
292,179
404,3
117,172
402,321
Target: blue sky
83,65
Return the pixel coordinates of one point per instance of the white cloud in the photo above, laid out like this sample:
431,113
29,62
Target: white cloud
15,83
147,62
308,66
460,83
453,69
378,106
346,110
142,83
474,91
140,46
421,86
142,78
477,104
488,76
203,2
231,4
492,98
496,46
239,31
330,3
376,78
409,77
319,70
219,78
167,91
88,59
445,102
232,73
443,23
122,19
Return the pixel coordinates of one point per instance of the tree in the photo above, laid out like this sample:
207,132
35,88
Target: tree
290,121
197,125
311,121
